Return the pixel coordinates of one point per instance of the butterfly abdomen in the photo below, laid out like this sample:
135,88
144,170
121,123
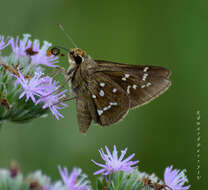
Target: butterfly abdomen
83,114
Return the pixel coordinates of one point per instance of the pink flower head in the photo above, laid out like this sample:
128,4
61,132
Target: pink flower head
32,87
74,181
19,46
175,179
51,98
113,163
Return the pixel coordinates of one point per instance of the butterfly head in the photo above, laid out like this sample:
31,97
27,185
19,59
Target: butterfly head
77,56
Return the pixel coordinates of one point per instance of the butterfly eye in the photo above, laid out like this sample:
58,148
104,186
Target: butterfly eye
55,51
78,59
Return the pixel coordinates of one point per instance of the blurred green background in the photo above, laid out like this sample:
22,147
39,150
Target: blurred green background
169,33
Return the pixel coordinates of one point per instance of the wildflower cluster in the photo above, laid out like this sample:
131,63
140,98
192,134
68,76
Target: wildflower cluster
117,173
26,91
124,170
76,180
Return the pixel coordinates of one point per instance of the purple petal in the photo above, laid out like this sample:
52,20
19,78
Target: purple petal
175,179
101,165
99,171
129,158
113,163
123,154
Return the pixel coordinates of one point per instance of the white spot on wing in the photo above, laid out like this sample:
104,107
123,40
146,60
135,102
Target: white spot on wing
144,76
101,93
114,90
127,75
113,103
145,69
148,84
102,84
93,96
105,108
128,89
142,86
100,112
134,86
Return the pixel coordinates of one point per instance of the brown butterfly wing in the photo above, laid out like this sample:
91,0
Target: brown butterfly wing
134,69
141,83
111,89
110,100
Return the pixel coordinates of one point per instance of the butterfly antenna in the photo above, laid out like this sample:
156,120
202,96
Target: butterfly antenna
67,35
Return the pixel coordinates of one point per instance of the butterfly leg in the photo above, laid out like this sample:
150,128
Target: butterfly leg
68,98
57,70
65,100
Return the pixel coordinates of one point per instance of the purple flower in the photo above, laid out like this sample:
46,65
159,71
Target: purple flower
32,87
45,89
4,43
75,181
19,46
41,57
113,163
175,179
51,99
